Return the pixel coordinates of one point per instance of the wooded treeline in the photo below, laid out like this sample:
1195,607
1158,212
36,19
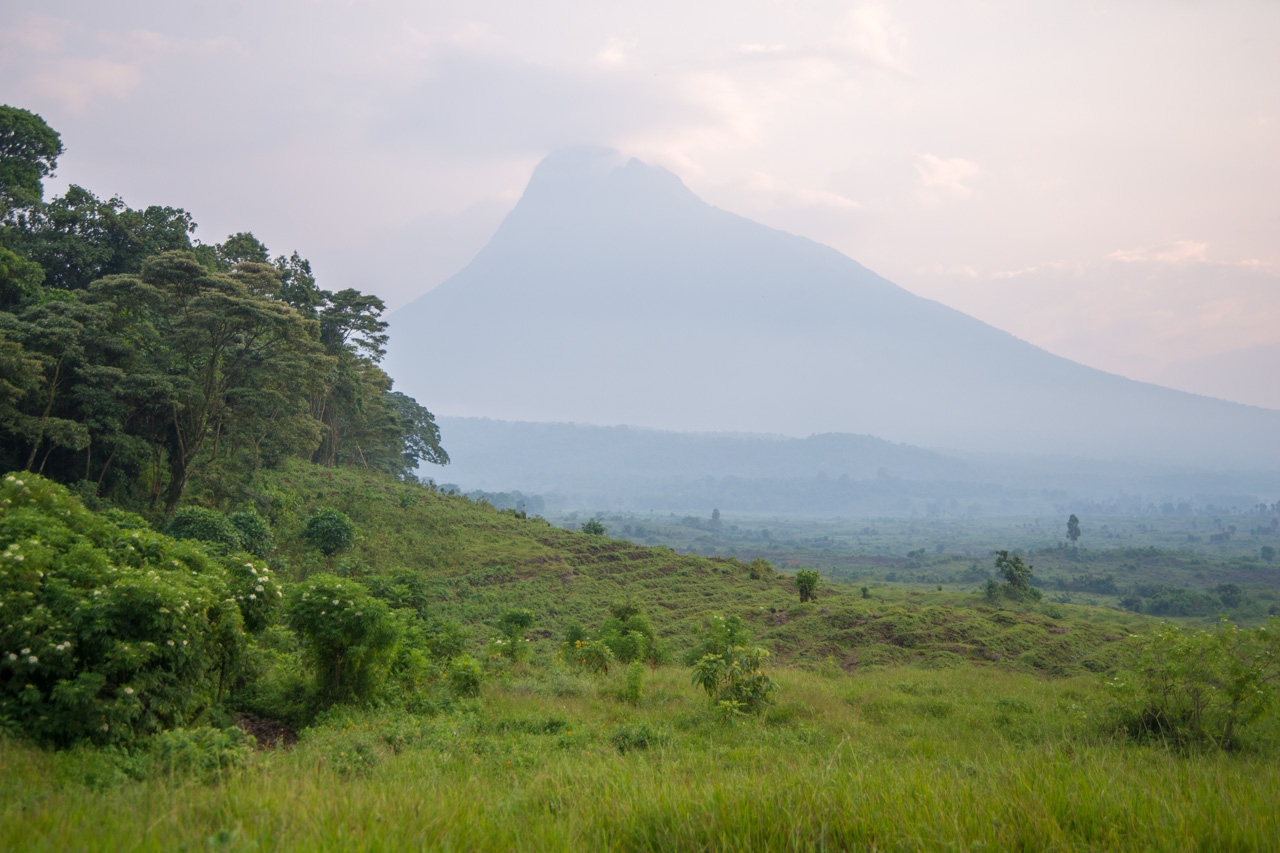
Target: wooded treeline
134,358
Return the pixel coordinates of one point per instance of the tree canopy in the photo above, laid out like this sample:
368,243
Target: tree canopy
135,360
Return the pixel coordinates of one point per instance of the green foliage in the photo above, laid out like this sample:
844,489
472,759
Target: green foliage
106,632
717,637
255,533
257,592
29,151
1017,576
592,655
205,753
807,583
350,636
1073,528
628,633
1200,687
633,688
636,737
329,531
465,676
594,527
204,525
735,681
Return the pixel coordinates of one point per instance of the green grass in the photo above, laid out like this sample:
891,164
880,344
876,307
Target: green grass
900,759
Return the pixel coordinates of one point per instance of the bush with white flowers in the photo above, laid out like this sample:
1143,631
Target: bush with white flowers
107,630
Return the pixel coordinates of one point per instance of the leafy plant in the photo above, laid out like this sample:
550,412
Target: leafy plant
329,531
465,676
633,688
255,533
807,583
350,636
1200,687
735,681
593,526
205,525
106,632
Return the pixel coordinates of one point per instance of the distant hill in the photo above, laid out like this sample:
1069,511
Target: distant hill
585,467
613,295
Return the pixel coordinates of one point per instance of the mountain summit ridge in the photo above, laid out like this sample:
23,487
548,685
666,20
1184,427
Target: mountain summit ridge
612,294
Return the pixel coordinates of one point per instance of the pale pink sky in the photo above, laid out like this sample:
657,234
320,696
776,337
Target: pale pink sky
1100,179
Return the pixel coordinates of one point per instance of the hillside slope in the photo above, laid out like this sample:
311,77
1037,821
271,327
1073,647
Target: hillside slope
470,562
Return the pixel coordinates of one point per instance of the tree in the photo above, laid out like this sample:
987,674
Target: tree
29,151
329,531
807,583
1268,553
79,238
593,526
1017,575
1073,528
223,359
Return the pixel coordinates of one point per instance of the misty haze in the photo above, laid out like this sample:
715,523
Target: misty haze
571,426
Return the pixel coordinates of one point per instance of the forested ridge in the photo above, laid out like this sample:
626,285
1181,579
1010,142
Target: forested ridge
135,359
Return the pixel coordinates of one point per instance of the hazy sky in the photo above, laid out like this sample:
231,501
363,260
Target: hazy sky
1101,179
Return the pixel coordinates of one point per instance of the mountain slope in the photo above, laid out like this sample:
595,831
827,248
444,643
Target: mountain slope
611,294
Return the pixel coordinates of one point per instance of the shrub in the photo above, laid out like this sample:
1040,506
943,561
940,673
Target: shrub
204,525
256,591
329,531
593,526
735,681
465,676
636,736
106,632
350,636
1199,687
627,633
592,655
807,583
633,689
255,533
201,752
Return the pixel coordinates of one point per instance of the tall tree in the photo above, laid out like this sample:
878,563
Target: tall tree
29,151
1073,528
212,344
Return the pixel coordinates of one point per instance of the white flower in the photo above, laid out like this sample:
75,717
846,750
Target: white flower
128,691
12,656
105,727
335,601
135,534
258,588
17,482
18,557
26,651
33,660
253,597
170,642
184,642
279,594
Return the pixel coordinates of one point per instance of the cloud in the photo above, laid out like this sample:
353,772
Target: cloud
944,177
1183,251
78,83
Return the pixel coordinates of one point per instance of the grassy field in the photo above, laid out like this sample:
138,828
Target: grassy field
907,717
901,758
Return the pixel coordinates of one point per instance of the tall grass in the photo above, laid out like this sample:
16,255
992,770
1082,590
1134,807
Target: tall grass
899,759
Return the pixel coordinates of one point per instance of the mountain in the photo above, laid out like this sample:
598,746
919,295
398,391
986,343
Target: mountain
611,294
1244,375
